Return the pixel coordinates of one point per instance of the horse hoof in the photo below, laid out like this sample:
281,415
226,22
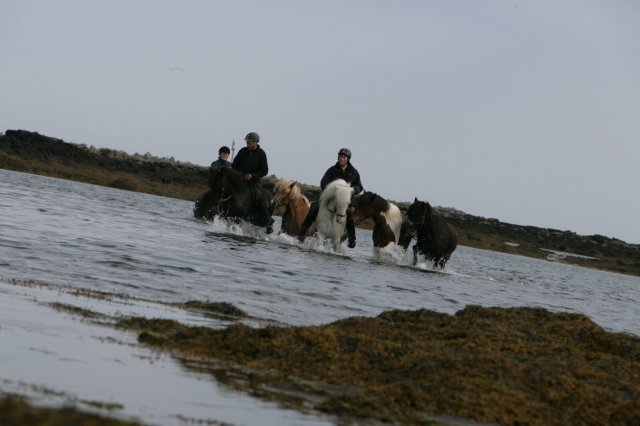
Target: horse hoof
352,243
269,229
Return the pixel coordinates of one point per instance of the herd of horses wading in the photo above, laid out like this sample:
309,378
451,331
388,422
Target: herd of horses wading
232,198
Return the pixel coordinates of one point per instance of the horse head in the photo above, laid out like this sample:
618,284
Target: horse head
284,191
225,185
219,184
336,198
418,212
369,204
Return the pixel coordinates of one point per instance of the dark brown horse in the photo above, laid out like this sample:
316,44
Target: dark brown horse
436,239
230,196
389,225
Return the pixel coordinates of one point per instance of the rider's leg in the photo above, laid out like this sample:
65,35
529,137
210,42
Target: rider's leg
351,230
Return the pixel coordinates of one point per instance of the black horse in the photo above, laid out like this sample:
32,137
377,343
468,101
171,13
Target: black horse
231,196
436,239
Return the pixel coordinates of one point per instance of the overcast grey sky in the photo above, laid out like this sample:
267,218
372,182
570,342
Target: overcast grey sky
524,111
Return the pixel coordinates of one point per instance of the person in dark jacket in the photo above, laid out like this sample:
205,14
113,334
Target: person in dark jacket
252,162
222,161
343,169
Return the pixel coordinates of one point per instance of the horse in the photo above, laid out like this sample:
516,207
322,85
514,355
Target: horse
289,194
436,239
332,212
231,196
390,227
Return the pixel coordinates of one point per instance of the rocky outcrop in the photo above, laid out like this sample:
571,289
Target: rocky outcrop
36,147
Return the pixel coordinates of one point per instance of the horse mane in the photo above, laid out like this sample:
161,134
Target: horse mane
339,190
235,177
296,192
281,184
423,208
380,203
294,188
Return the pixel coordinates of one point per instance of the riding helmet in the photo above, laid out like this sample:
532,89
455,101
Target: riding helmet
345,151
252,136
224,149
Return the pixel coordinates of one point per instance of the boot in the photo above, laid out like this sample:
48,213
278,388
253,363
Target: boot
351,232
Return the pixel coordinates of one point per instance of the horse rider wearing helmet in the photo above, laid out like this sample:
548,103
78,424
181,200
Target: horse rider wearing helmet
252,162
343,169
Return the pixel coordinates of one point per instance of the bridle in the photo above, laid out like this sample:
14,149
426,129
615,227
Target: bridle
335,212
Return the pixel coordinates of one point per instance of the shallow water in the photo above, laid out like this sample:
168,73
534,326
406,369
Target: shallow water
73,235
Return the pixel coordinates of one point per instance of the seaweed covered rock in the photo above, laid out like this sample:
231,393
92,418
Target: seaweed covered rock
506,366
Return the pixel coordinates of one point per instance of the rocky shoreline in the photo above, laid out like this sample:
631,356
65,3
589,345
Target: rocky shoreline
30,152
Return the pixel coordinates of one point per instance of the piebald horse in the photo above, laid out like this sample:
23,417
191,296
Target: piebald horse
390,227
332,213
290,195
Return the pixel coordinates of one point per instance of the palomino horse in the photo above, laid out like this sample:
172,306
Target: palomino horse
230,196
389,225
289,194
436,238
332,212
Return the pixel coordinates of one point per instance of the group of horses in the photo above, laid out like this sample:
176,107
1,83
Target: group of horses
231,197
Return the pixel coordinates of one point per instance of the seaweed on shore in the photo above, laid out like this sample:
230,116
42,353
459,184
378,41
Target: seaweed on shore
508,366
16,410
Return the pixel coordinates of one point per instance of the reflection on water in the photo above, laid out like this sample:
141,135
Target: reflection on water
74,235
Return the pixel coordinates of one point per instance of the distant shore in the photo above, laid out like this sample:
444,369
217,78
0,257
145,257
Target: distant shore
30,152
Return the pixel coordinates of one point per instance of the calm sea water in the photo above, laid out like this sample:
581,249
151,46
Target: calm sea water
74,235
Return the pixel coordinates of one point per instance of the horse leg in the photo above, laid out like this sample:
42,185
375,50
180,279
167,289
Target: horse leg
312,214
262,207
415,254
351,231
337,244
203,206
405,235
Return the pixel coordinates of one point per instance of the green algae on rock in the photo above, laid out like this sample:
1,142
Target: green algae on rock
224,309
508,366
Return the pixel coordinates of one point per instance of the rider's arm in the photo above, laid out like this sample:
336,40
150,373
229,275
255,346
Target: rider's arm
236,161
356,184
327,178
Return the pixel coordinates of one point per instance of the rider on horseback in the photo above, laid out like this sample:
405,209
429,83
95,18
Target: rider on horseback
223,155
252,162
341,170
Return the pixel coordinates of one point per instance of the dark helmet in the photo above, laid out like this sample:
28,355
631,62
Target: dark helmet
345,151
224,149
252,136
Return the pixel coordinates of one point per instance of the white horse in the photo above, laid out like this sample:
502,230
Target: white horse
332,214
